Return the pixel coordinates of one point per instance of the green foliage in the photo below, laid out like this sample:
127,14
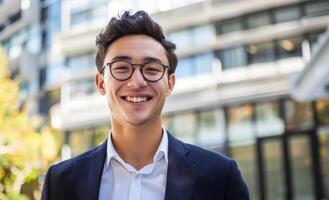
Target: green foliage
21,147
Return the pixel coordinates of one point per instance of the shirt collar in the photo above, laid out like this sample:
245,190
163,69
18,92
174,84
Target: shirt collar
161,151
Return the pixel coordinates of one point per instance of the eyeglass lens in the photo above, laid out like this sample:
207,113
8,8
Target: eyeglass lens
123,70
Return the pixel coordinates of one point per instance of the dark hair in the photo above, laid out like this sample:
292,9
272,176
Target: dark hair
127,24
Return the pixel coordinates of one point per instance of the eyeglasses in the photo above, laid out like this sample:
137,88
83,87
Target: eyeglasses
122,70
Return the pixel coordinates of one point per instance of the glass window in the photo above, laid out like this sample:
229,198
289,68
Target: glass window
195,65
233,57
230,25
285,14
322,107
258,53
203,35
301,167
199,35
268,121
316,8
183,39
323,136
53,21
203,63
273,168
82,88
183,126
298,114
212,127
244,154
54,74
89,14
240,125
185,67
258,19
290,47
80,16
81,62
34,42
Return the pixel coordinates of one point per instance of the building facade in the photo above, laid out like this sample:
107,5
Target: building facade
233,96
19,34
27,28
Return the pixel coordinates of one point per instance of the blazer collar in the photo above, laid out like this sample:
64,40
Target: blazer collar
88,173
181,174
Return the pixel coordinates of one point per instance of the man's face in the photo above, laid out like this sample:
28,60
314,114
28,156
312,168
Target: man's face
136,49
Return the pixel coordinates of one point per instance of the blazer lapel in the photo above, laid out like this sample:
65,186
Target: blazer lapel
181,175
89,172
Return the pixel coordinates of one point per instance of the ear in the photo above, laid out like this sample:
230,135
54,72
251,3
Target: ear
171,83
100,83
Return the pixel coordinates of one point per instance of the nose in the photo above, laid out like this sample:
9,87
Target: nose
137,79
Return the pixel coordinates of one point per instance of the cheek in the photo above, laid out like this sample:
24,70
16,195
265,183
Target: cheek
161,89
165,85
109,89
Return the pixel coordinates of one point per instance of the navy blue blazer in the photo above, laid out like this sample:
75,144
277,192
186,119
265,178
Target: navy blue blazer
193,174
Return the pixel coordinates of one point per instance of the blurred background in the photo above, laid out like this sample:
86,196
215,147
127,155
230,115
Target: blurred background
252,83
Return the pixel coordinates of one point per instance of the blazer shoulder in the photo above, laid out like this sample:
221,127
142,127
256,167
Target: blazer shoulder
218,176
198,155
61,178
201,155
211,163
213,167
68,165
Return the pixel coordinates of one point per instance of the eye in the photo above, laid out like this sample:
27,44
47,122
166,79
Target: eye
153,68
121,67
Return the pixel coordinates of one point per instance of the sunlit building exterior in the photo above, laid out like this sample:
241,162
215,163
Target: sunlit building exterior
19,31
312,82
233,95
27,28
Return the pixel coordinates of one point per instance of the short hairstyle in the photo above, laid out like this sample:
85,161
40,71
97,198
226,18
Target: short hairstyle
128,23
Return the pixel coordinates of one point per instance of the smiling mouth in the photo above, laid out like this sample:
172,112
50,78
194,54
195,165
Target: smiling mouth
136,99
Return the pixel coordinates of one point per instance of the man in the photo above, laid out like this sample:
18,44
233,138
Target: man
141,159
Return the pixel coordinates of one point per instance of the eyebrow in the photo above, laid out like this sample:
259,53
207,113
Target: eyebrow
145,59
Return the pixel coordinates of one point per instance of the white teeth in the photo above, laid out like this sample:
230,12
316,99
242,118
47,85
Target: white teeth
136,99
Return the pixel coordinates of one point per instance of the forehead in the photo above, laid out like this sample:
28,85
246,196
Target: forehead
136,47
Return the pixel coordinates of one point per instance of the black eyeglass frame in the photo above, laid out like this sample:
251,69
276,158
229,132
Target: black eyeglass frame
141,69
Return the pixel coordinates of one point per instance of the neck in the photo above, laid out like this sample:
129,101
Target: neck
136,145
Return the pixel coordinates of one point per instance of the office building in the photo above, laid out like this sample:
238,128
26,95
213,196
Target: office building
233,92
27,28
19,31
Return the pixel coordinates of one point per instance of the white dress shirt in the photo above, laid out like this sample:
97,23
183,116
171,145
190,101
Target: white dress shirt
121,181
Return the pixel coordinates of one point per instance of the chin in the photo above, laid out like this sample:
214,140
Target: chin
141,120
136,123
